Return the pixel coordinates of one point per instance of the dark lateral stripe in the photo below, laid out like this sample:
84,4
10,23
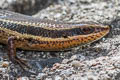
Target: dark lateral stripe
38,31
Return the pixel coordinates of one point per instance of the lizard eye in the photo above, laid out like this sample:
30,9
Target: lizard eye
87,30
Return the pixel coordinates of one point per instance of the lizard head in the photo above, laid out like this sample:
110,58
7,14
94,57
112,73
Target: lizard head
92,32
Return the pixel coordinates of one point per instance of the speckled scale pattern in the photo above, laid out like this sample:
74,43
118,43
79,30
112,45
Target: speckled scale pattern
38,31
47,35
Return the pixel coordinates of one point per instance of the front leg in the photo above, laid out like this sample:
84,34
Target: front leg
12,53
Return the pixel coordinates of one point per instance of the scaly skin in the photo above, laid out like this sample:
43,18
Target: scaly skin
28,33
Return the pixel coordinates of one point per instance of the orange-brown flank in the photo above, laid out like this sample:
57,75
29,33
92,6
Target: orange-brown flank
29,42
70,42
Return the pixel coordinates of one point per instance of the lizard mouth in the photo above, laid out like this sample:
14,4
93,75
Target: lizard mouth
99,33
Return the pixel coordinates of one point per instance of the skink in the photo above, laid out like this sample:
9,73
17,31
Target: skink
28,33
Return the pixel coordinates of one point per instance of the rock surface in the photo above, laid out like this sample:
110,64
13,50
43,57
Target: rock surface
98,61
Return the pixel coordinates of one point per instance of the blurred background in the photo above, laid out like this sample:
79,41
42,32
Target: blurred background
99,61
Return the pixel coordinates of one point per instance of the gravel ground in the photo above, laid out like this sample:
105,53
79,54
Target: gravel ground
98,61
